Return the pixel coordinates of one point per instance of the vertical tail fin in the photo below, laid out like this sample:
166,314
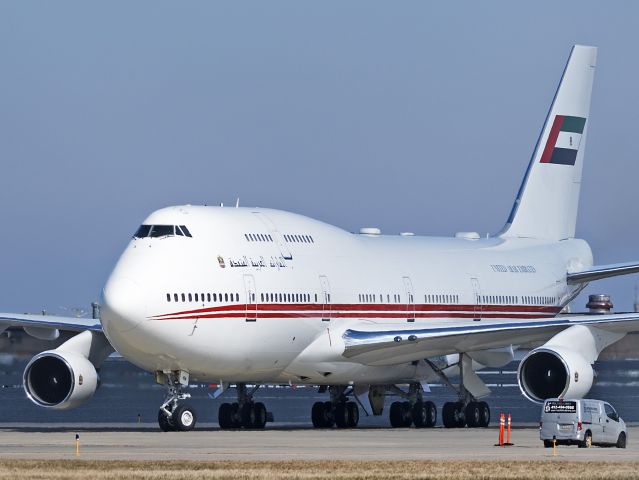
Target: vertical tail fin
547,202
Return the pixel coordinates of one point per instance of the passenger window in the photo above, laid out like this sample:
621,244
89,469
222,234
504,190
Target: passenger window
226,297
168,297
208,297
196,297
190,297
183,298
175,297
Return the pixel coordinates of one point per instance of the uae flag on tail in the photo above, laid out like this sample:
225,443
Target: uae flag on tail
563,141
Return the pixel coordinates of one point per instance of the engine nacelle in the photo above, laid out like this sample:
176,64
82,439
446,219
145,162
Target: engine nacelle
554,371
60,379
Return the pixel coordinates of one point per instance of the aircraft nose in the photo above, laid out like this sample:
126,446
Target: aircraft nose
123,304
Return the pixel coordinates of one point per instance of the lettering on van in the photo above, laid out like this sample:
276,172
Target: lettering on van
560,407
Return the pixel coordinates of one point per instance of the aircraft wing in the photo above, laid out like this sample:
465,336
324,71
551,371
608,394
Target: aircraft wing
373,345
598,272
49,322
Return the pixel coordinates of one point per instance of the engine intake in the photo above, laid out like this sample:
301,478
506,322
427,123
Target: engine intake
552,372
59,379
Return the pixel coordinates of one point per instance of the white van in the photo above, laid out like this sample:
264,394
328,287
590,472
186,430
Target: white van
581,422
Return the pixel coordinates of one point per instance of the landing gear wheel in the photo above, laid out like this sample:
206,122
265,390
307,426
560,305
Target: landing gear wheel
184,418
420,415
431,414
164,422
341,415
236,416
353,414
453,415
396,416
621,441
548,443
472,415
248,416
260,415
484,410
329,415
317,415
407,414
225,416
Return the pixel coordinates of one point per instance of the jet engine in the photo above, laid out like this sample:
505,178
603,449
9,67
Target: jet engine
554,371
60,379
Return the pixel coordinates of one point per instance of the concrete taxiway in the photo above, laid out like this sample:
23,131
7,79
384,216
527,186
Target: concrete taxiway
142,442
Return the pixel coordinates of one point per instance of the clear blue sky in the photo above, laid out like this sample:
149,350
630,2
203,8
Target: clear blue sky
415,116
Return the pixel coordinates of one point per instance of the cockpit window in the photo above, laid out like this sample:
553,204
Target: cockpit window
143,231
162,230
156,231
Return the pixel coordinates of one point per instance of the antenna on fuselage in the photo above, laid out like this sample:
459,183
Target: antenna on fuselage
237,202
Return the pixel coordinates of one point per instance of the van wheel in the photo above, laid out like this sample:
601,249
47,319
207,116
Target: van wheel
621,441
547,443
587,441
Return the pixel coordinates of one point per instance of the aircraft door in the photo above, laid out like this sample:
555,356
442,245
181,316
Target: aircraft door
410,299
275,235
251,298
477,305
326,298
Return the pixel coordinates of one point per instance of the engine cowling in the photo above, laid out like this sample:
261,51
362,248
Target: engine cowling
551,372
60,379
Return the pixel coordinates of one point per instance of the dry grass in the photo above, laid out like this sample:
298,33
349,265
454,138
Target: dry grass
315,470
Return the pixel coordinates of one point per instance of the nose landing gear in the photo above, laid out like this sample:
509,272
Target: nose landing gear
172,415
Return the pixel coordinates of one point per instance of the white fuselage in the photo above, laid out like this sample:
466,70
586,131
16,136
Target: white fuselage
252,292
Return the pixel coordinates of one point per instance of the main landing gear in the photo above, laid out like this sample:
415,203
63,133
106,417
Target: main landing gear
245,413
337,412
412,411
172,415
466,411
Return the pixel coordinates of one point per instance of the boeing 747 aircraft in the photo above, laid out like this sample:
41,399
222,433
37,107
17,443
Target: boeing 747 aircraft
252,296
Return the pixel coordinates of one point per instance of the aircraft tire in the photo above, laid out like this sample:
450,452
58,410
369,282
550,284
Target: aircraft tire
260,415
472,415
448,415
164,422
407,414
353,414
420,415
431,414
329,415
341,415
236,417
248,415
485,414
184,418
225,416
459,415
395,416
318,416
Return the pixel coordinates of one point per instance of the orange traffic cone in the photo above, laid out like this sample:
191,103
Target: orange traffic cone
502,421
508,439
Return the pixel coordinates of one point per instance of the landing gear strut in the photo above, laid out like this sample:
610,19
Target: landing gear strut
414,410
244,413
172,415
467,411
338,411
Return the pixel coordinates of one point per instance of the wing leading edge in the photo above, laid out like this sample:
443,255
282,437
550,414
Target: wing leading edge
385,347
52,322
